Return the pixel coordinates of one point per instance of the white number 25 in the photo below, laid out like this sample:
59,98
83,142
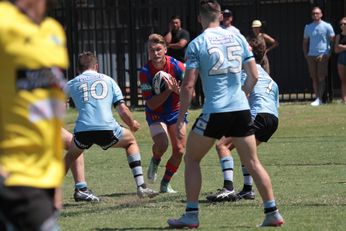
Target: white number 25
232,55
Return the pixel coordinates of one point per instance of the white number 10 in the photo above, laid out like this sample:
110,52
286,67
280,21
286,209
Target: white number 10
102,94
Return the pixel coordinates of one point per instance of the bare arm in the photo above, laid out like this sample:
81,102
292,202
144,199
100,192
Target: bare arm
337,46
179,45
168,37
126,116
172,86
269,40
186,93
252,77
305,46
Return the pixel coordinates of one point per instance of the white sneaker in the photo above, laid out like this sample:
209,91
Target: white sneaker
317,102
146,192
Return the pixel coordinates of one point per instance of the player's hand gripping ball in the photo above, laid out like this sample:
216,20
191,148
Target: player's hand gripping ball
159,84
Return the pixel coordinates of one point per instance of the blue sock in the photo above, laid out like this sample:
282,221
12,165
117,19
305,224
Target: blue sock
81,185
192,206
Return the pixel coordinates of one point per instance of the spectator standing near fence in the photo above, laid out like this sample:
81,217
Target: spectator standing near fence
268,42
176,39
318,36
227,21
340,49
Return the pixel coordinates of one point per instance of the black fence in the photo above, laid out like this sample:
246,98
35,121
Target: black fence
117,31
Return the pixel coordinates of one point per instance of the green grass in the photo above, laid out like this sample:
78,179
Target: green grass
306,159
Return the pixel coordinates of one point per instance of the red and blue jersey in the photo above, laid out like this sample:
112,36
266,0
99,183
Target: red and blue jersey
176,69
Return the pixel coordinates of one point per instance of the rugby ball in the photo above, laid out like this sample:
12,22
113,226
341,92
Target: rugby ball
159,84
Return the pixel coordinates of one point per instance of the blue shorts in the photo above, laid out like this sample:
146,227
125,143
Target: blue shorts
168,119
342,58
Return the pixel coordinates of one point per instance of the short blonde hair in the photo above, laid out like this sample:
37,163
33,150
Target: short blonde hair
156,38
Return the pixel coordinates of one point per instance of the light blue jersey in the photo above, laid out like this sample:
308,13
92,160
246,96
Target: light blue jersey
218,54
319,35
94,94
265,96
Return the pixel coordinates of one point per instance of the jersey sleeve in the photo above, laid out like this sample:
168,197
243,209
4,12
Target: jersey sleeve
185,35
67,88
180,71
330,30
192,56
146,86
117,94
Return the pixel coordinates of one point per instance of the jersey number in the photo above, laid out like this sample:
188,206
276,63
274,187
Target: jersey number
102,93
232,55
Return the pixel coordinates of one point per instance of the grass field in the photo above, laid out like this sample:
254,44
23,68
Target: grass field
306,159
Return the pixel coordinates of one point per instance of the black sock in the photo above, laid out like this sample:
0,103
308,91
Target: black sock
271,209
247,188
227,184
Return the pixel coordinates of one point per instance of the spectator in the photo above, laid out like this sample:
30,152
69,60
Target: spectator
227,21
176,39
340,49
318,37
32,55
269,42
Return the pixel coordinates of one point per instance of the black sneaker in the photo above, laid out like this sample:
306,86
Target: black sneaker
223,195
85,194
246,195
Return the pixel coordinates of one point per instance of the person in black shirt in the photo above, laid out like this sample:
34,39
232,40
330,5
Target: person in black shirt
177,39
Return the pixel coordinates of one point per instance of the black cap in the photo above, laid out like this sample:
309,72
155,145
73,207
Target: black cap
227,12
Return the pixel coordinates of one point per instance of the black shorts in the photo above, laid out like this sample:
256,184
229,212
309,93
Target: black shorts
104,138
228,124
265,125
27,208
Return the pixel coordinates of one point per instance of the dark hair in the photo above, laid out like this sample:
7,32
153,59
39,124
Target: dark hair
258,49
86,60
175,17
209,9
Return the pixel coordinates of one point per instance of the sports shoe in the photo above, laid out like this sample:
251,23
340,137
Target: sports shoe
246,195
152,171
272,219
166,188
316,103
85,194
223,195
146,192
187,220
